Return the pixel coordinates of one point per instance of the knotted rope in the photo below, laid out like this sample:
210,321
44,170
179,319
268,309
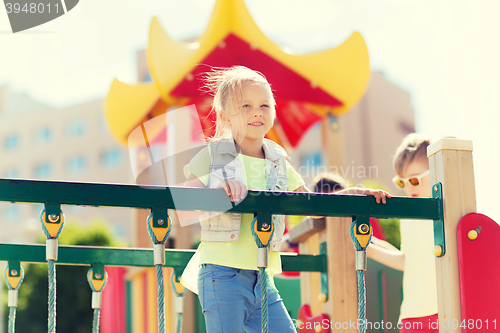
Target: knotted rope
52,225
13,279
361,234
159,236
97,284
262,238
179,303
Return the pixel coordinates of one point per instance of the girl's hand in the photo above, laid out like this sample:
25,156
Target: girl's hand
236,190
378,194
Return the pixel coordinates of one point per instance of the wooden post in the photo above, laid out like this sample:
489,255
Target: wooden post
333,142
310,282
342,305
450,163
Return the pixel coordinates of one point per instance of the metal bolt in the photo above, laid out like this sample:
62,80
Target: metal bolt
435,189
364,229
438,250
472,235
98,275
160,221
53,218
13,272
265,227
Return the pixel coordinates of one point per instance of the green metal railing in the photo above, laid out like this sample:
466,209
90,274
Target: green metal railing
86,256
53,194
135,196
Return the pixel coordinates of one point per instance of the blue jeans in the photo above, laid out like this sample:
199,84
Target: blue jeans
230,300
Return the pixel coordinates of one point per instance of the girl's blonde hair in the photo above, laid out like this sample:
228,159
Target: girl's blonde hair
226,85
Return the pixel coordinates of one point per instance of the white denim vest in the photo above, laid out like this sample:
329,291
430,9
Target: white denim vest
225,227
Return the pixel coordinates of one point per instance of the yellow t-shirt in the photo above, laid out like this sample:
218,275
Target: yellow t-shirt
419,278
243,252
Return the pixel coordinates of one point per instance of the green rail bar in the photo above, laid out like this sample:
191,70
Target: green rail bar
85,255
181,198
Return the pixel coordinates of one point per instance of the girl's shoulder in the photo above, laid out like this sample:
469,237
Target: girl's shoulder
199,165
203,154
275,150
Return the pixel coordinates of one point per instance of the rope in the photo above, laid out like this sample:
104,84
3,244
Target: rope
161,299
263,301
263,280
12,319
361,301
361,281
56,227
52,297
13,302
96,285
179,323
159,274
96,320
179,310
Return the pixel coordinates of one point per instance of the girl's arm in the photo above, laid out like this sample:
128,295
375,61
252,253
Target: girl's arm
235,189
391,257
378,250
192,181
379,195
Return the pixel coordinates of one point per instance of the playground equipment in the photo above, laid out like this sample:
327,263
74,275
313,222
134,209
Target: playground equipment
305,90
451,171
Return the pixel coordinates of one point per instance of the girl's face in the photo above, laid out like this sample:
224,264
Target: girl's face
257,113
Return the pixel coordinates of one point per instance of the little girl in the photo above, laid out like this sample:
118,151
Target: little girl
238,158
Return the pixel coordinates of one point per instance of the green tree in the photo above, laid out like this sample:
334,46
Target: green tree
390,226
391,231
74,313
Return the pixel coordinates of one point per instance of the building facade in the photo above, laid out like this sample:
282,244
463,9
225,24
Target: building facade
66,144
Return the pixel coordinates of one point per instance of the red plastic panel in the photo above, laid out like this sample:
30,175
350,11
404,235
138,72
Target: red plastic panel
308,324
286,83
113,301
295,119
479,265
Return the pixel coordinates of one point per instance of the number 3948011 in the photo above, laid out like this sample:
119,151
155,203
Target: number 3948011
32,8
471,324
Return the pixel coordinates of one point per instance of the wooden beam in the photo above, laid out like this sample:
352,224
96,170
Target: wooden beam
450,163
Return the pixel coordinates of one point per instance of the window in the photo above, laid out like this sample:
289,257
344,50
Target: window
11,142
312,159
111,157
76,127
12,173
103,123
42,135
76,164
43,170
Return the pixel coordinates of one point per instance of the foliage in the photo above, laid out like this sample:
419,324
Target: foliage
391,231
74,313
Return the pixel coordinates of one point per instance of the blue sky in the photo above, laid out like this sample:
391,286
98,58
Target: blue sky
445,53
